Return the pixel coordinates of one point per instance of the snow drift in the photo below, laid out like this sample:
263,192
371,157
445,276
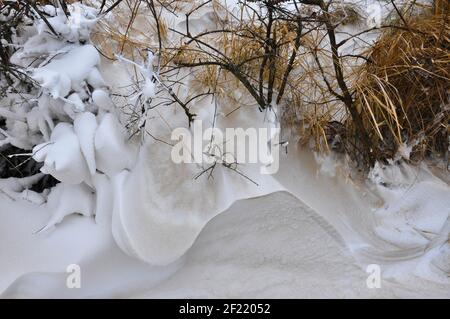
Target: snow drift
156,209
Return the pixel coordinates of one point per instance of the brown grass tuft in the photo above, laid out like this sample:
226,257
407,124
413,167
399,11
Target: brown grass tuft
403,92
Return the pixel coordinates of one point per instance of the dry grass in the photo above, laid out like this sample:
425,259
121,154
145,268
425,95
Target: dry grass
403,93
123,32
242,48
131,29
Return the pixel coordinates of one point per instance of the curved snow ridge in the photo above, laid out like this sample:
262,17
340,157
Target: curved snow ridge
268,247
156,230
159,210
160,206
275,246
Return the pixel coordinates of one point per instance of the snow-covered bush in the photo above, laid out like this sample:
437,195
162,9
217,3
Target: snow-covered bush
61,113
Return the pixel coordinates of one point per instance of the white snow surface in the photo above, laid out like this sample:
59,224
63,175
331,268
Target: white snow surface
140,225
268,247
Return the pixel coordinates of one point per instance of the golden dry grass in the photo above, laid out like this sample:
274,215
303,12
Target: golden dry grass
403,93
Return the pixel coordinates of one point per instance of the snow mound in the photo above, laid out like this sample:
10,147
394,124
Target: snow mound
160,207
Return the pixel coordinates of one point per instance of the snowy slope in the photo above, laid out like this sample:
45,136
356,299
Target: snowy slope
269,247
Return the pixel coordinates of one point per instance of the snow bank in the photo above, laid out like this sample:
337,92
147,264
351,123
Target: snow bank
416,204
414,217
34,265
277,247
155,209
272,246
160,208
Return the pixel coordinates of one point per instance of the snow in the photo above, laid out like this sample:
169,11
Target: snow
276,247
274,237
414,215
85,126
17,189
66,199
406,220
62,156
149,228
267,247
76,27
63,73
272,246
103,196
110,143
102,100
34,265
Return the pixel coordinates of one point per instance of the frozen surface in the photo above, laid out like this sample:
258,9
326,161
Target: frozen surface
140,225
273,246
